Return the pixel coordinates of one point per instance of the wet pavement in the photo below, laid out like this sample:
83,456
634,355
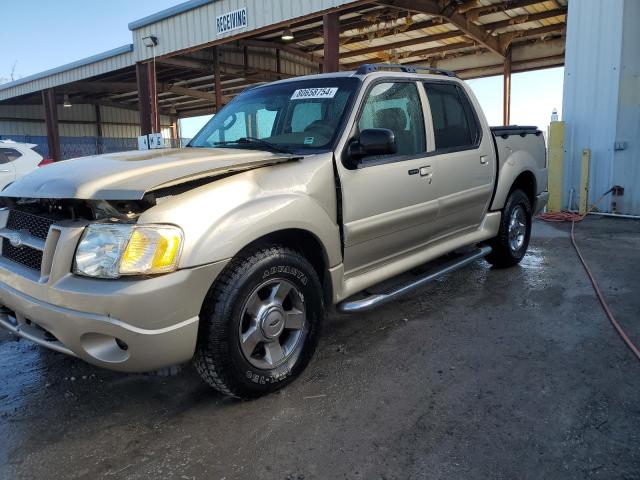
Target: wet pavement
485,374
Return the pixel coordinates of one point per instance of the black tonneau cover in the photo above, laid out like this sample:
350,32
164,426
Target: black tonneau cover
521,130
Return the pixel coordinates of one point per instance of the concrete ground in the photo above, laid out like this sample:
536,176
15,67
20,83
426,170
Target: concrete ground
486,374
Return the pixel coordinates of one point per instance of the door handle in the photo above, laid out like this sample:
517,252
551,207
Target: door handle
5,171
484,159
424,171
427,172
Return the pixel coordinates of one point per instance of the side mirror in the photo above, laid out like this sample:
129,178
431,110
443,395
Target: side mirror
373,141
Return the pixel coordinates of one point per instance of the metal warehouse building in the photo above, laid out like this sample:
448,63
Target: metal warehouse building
193,58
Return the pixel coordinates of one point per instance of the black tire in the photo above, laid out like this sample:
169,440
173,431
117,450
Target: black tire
503,253
219,357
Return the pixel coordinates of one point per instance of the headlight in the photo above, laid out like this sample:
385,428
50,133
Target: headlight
112,250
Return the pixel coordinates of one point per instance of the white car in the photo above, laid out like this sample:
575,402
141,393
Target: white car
17,160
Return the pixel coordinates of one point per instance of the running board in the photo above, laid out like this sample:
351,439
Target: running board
377,299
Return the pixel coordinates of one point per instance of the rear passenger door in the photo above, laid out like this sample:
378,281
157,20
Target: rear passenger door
465,157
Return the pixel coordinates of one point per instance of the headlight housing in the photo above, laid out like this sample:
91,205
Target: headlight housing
109,250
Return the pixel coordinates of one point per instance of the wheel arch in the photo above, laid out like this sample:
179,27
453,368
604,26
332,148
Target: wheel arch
303,241
526,182
514,176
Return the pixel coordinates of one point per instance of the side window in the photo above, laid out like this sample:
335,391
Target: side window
10,154
3,158
396,106
304,114
454,122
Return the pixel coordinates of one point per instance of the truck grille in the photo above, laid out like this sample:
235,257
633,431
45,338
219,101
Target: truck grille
27,256
37,227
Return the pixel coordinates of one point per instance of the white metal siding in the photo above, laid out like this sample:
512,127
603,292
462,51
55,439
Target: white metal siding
198,26
590,104
121,123
265,59
22,128
626,163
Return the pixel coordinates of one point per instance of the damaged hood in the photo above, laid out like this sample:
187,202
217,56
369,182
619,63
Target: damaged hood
129,175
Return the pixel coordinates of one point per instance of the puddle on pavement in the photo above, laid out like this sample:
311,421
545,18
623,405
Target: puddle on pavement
532,267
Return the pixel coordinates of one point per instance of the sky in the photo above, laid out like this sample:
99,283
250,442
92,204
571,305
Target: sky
43,34
534,95
65,31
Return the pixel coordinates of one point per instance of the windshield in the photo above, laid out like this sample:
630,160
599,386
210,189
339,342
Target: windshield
291,116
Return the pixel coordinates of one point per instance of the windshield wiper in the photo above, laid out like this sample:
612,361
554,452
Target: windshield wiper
253,140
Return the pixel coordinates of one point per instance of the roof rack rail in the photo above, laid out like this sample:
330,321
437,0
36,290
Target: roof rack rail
374,67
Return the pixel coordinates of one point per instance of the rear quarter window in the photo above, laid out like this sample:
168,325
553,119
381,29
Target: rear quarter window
9,155
455,125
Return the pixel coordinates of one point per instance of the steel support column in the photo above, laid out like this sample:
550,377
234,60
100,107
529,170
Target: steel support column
175,131
331,34
506,92
216,78
99,132
51,120
147,98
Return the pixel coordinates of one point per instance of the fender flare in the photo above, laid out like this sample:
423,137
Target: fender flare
265,215
516,164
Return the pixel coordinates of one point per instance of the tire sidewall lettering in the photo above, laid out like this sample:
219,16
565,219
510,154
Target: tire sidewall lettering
286,269
262,379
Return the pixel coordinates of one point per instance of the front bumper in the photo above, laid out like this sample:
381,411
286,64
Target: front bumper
133,325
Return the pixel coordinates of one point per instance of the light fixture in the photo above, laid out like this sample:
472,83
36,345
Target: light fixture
287,35
150,41
67,102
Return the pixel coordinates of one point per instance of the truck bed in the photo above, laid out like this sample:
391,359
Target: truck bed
519,148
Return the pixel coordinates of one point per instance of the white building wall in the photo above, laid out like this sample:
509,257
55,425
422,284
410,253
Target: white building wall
589,107
197,26
626,163
601,100
117,122
265,59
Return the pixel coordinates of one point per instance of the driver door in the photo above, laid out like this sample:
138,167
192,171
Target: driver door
389,202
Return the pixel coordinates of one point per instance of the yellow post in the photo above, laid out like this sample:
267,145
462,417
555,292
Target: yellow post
556,165
584,181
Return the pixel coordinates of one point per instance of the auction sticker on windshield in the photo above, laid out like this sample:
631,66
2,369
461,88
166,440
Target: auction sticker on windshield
323,92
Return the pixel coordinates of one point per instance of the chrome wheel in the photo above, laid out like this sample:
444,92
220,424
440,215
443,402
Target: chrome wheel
517,228
273,324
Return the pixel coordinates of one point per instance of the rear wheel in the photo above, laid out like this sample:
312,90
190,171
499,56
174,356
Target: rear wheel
512,241
260,322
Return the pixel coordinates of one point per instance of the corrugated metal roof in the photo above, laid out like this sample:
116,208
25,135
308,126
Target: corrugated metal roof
370,32
87,67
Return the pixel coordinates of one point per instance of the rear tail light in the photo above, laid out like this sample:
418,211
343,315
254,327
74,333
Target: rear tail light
45,161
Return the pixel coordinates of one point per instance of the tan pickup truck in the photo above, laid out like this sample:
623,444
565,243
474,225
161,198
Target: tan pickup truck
298,195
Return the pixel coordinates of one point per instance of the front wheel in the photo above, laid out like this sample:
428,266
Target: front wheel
260,322
510,245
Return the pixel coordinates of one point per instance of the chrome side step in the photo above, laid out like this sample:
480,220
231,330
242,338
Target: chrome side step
377,299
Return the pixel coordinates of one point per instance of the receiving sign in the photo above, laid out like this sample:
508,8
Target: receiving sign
323,92
231,21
